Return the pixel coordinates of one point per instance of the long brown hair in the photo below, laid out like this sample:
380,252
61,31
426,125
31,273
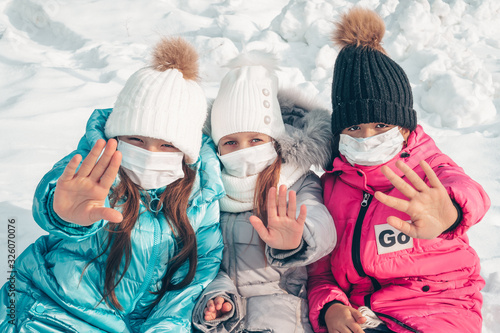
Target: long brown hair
269,177
175,203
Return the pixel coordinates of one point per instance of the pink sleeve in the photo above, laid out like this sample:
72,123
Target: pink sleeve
467,193
322,289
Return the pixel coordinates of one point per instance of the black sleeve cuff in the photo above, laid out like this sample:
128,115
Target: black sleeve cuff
459,217
322,313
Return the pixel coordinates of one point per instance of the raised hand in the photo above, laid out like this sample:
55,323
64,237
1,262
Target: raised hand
340,318
284,229
217,308
79,197
430,208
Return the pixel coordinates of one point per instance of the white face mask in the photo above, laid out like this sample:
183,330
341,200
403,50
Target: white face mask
249,161
150,170
374,150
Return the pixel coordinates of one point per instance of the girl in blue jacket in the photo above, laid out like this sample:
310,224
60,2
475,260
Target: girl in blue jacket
133,229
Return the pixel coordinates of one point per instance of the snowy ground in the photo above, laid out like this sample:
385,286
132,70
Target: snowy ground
60,59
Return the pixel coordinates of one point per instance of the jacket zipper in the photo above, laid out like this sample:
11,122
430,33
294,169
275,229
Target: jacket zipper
232,261
356,240
152,260
356,259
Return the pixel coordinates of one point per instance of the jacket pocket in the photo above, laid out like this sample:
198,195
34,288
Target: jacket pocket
44,320
244,232
276,313
47,316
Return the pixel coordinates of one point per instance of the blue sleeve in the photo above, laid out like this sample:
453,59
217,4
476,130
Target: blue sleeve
43,211
173,313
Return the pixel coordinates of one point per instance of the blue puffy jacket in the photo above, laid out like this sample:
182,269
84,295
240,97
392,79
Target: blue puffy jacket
51,293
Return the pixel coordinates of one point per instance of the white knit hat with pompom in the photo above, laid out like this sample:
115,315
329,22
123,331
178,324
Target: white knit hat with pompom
164,101
248,98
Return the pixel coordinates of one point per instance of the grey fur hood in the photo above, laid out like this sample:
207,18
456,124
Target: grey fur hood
308,136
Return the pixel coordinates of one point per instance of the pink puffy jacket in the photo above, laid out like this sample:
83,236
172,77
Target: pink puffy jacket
413,285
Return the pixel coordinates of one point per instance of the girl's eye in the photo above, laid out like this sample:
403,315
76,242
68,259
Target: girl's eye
381,125
353,128
256,140
167,146
229,143
134,139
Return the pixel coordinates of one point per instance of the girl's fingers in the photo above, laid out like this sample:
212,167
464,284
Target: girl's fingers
112,215
111,171
209,311
105,213
271,203
103,162
210,305
91,159
301,219
412,176
407,190
259,226
403,226
358,319
219,301
70,170
282,201
292,204
431,175
227,307
355,328
357,316
396,203
346,328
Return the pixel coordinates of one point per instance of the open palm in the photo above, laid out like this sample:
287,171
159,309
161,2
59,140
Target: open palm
429,207
80,195
284,230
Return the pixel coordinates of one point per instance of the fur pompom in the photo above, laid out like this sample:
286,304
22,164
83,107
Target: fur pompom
360,27
255,58
176,53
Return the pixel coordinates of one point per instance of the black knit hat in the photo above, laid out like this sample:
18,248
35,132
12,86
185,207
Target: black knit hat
368,86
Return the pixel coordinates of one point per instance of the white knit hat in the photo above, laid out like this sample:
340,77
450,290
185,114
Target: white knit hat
163,101
247,100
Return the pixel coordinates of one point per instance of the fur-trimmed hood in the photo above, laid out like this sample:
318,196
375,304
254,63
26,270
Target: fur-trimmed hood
308,136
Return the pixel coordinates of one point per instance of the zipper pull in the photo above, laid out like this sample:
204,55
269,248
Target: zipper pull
155,205
366,197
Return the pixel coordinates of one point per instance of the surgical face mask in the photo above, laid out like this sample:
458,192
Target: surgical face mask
374,150
150,170
249,161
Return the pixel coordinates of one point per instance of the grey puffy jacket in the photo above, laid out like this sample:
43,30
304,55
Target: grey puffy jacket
267,287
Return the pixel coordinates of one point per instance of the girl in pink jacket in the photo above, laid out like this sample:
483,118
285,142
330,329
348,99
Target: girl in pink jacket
401,207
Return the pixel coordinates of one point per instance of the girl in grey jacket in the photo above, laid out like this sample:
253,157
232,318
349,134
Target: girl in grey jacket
267,145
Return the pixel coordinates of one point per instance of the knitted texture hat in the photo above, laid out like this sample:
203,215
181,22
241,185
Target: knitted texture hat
248,98
368,86
164,101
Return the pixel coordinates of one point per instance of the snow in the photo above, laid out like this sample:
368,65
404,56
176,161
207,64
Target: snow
61,59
